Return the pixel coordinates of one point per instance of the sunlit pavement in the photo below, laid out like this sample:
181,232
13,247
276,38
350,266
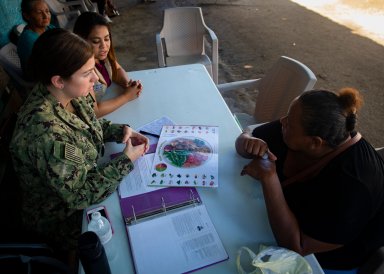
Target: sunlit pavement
365,18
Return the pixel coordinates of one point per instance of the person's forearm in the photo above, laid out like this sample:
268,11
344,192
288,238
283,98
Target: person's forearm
282,220
121,77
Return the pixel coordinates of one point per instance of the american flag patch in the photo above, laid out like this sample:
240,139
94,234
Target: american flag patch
72,153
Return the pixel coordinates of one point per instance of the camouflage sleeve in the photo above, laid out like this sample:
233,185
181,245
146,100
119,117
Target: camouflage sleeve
79,183
112,132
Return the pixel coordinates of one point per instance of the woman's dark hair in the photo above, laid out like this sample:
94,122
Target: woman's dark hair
27,7
331,116
84,25
57,52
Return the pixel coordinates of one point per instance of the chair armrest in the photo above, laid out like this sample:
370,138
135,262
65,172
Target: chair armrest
253,83
160,50
215,52
211,34
30,249
71,12
250,128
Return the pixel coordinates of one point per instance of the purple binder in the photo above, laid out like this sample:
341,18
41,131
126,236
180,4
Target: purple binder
154,202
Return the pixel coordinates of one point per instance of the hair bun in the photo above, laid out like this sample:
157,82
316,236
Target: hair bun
350,99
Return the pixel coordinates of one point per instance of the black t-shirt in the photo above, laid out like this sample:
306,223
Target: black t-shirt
343,204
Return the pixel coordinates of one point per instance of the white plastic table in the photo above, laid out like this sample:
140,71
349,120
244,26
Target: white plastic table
188,96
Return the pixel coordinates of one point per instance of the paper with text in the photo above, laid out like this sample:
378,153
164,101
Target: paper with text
178,242
136,181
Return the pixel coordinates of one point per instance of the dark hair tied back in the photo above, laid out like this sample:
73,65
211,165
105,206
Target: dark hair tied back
331,116
350,122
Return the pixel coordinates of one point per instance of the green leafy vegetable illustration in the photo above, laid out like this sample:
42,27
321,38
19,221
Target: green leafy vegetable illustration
177,157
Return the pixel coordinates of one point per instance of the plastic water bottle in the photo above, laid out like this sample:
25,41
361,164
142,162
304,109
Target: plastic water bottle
101,226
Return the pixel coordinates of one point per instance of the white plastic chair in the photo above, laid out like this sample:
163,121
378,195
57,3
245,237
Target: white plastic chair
380,150
10,61
287,79
185,39
66,13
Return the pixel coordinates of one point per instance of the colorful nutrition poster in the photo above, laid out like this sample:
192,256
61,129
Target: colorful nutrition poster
186,156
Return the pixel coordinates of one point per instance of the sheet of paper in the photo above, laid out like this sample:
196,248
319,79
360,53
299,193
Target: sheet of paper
154,127
185,156
136,181
178,242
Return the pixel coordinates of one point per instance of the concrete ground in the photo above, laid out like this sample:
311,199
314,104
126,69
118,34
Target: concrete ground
252,35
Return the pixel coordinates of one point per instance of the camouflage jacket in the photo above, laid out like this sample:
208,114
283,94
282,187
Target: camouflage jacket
55,155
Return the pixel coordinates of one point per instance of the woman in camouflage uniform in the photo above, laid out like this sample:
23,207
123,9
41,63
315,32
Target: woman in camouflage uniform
58,141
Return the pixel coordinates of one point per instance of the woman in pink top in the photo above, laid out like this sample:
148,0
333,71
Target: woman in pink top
95,29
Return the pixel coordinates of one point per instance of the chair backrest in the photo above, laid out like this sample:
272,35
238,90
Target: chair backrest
58,10
10,102
62,12
374,264
287,79
10,61
381,152
183,31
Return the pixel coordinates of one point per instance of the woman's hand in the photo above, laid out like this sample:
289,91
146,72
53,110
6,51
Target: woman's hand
261,169
255,146
133,89
249,146
136,144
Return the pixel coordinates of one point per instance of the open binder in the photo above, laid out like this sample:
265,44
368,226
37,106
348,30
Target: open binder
170,231
156,202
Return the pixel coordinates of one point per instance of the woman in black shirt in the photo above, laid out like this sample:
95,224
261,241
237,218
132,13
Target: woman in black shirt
323,184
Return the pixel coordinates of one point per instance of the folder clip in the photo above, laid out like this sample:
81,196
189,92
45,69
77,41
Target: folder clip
163,209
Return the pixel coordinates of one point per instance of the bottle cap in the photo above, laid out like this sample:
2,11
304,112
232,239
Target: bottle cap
96,215
90,247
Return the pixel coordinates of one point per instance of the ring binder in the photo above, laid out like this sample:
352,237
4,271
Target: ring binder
164,209
163,205
134,214
180,242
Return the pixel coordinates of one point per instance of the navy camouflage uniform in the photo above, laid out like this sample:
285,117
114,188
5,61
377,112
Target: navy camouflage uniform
55,156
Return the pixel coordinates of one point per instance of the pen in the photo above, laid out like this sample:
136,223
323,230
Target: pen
148,133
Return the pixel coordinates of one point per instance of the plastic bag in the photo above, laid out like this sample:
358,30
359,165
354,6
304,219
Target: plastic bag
274,260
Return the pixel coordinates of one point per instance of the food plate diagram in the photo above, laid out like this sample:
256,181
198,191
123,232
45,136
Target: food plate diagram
186,156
